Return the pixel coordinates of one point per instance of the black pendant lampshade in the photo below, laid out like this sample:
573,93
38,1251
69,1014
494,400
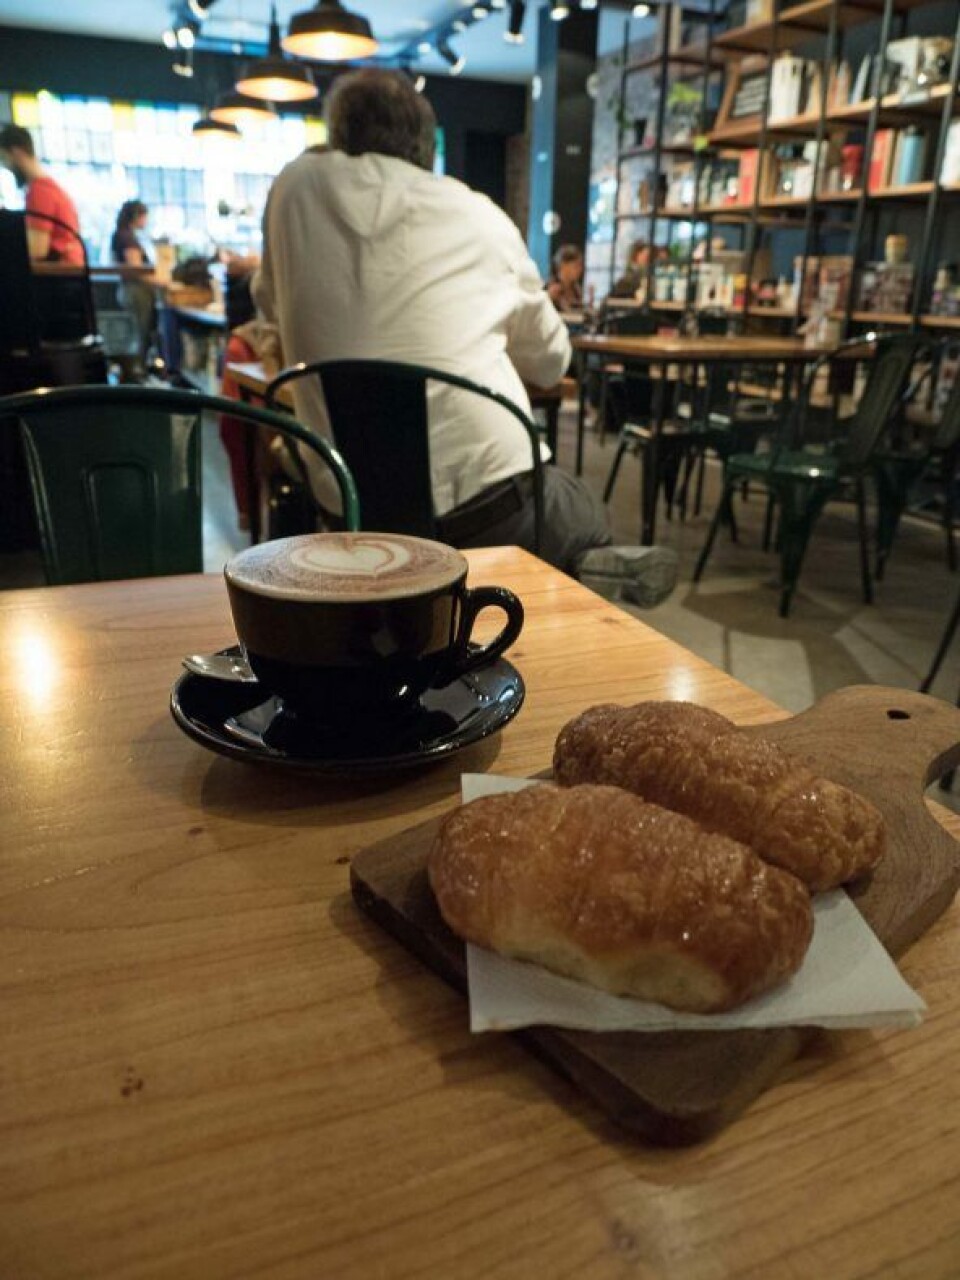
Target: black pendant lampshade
239,109
207,127
329,33
275,78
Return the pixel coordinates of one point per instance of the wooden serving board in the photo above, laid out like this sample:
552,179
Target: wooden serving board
678,1087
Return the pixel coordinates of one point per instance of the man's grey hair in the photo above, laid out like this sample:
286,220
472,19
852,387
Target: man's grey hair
380,111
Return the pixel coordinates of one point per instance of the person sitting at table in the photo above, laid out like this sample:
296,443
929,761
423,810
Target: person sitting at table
634,277
250,339
46,241
565,286
367,254
126,248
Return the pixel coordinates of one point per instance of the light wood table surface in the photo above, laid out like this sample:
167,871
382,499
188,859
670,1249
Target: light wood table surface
678,349
214,1066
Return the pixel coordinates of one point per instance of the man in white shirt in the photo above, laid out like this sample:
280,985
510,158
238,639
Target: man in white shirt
368,254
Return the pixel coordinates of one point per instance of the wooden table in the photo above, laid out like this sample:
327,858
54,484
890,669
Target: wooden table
657,352
214,1066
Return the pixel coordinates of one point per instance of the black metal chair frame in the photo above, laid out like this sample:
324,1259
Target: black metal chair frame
329,373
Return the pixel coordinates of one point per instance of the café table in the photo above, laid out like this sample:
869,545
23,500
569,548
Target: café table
215,1066
663,353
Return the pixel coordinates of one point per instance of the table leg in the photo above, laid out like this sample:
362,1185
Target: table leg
650,481
581,409
551,416
253,475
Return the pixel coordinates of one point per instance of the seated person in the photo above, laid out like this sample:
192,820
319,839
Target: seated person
635,277
565,286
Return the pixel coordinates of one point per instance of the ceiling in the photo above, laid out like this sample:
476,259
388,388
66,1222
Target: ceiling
395,22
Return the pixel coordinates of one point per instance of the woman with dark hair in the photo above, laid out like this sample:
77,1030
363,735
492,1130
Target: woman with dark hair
125,248
565,286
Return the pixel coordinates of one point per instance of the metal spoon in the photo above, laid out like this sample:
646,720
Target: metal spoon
220,666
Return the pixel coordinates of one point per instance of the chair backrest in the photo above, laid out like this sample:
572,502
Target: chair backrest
65,300
115,475
378,415
19,322
948,432
637,322
886,381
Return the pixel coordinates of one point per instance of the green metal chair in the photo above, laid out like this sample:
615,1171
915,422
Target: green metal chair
378,416
803,481
898,467
115,476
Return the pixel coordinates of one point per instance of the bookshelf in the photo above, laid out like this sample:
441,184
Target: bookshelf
896,132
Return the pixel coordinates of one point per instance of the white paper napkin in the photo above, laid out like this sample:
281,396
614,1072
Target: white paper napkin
847,979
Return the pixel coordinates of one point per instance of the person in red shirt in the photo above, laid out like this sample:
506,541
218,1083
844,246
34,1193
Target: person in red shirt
46,241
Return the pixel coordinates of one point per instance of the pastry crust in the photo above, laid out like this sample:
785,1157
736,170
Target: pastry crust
689,759
597,884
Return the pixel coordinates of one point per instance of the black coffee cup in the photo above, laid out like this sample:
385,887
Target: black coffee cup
347,625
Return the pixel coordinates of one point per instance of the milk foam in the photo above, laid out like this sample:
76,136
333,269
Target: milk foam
346,567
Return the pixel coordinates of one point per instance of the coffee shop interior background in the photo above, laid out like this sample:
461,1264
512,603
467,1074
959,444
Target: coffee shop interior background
811,204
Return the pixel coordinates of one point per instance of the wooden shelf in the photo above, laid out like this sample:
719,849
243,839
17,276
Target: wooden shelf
668,306
911,191
771,313
876,317
893,110
940,322
801,23
747,134
679,58
668,149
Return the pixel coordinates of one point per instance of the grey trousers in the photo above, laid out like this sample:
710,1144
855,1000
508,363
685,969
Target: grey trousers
574,522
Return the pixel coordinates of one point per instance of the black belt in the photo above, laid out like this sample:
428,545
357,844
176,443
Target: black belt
486,509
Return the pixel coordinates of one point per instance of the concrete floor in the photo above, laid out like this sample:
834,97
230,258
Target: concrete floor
831,639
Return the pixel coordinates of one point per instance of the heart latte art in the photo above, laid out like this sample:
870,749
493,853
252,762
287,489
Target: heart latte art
346,566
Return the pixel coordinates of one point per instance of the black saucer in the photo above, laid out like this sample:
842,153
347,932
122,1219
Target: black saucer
241,721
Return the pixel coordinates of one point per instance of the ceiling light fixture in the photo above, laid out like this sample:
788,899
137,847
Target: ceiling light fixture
559,10
480,11
186,35
275,78
641,11
424,47
183,64
207,127
459,24
514,31
420,83
238,108
456,61
199,8
497,4
588,4
329,33
169,39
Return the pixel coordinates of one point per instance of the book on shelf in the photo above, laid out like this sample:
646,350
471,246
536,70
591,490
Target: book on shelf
881,159
749,174
885,286
950,169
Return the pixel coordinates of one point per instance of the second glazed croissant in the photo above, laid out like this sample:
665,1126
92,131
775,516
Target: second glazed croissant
688,759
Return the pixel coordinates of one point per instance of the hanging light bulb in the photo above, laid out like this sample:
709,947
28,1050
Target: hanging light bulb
588,4
186,35
275,78
641,11
236,108
559,10
328,33
169,39
480,11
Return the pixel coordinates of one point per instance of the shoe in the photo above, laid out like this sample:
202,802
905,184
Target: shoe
643,576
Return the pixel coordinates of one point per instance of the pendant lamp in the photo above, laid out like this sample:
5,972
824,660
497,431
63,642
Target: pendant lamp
329,33
207,127
238,109
275,78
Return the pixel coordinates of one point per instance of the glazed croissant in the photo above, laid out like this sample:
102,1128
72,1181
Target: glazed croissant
688,759
597,884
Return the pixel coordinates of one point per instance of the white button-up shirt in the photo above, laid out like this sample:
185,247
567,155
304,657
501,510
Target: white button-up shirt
368,257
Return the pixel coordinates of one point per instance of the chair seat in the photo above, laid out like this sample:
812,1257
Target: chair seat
811,468
673,430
